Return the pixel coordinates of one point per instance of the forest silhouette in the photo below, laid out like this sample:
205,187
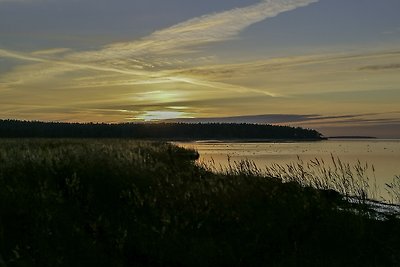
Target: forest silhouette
165,131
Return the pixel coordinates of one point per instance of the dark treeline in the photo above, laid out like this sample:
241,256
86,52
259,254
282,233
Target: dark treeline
168,131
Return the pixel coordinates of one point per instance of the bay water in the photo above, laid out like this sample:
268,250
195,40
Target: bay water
382,156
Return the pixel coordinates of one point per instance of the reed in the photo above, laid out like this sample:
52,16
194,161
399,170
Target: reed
393,189
356,181
128,203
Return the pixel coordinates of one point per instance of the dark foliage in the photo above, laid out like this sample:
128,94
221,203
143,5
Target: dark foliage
123,203
166,131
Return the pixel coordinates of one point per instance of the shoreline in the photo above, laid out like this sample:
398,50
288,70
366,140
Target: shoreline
234,141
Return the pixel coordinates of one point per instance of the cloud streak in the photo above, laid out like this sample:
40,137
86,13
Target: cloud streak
173,41
152,59
141,63
202,30
300,119
394,66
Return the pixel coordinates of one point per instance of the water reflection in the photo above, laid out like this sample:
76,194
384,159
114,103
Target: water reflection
383,155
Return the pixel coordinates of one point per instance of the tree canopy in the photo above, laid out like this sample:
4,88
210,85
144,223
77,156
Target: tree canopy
165,131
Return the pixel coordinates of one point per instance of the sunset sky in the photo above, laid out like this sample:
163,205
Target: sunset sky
332,65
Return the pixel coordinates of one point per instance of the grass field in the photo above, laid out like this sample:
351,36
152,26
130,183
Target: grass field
129,203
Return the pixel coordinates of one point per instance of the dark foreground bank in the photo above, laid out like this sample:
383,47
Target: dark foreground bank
126,203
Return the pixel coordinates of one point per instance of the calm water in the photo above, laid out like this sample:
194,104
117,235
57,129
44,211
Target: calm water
384,155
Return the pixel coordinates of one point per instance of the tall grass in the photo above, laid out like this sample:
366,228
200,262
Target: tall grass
126,203
356,181
393,189
352,181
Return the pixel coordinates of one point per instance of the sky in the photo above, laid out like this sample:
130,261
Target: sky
330,65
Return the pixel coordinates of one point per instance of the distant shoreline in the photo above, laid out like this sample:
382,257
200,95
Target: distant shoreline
279,140
351,137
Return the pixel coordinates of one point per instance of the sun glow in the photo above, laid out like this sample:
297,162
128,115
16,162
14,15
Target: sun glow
162,115
159,96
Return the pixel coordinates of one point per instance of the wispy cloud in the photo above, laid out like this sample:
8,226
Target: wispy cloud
52,51
152,60
393,66
199,31
315,120
392,31
284,63
173,41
